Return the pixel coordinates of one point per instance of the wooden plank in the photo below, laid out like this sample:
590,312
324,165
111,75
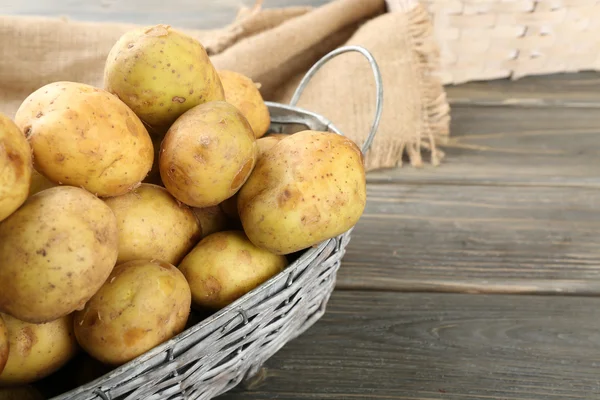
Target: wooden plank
516,146
205,14
439,346
566,90
470,238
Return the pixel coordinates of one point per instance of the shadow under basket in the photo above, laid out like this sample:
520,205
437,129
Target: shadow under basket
216,353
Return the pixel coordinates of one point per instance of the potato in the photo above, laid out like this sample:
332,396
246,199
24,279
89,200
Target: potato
15,167
153,225
226,265
243,93
39,182
26,392
141,305
86,137
207,154
211,219
229,206
160,73
3,344
56,251
309,187
37,350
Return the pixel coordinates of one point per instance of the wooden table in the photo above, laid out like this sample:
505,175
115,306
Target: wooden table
475,280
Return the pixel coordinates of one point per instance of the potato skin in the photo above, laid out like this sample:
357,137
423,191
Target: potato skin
56,251
4,346
207,154
160,73
226,265
142,304
243,93
86,137
310,187
37,350
15,167
153,225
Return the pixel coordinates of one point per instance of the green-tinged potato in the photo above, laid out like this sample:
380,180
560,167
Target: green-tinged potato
211,219
207,154
86,137
39,182
160,73
153,225
3,344
309,187
56,251
142,304
226,265
15,167
26,392
243,93
37,350
229,206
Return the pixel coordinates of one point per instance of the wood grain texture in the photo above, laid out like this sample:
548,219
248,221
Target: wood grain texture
439,346
499,145
197,14
564,90
470,238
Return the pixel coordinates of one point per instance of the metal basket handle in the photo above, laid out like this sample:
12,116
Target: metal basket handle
378,85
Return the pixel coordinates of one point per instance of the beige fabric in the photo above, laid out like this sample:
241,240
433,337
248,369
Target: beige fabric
273,47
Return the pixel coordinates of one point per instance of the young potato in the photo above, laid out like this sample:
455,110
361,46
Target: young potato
37,350
3,344
153,225
143,304
86,137
160,73
310,187
243,93
229,206
211,219
15,167
56,251
226,265
207,154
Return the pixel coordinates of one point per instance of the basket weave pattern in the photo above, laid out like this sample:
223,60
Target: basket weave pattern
488,39
214,356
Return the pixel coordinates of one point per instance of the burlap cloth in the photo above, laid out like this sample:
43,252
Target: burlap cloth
274,47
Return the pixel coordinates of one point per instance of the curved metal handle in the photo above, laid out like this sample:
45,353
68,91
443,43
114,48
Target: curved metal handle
378,85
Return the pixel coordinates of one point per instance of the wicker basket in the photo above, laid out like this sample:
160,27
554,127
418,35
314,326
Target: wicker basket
217,353
488,39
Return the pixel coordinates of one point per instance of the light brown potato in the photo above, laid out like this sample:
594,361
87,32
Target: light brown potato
212,219
26,392
243,93
15,167
229,206
143,304
310,187
3,344
207,154
86,137
37,350
160,73
56,251
39,182
226,265
153,225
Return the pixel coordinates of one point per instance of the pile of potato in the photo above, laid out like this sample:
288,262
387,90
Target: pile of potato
126,206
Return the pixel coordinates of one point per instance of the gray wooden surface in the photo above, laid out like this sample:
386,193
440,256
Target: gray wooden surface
510,224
